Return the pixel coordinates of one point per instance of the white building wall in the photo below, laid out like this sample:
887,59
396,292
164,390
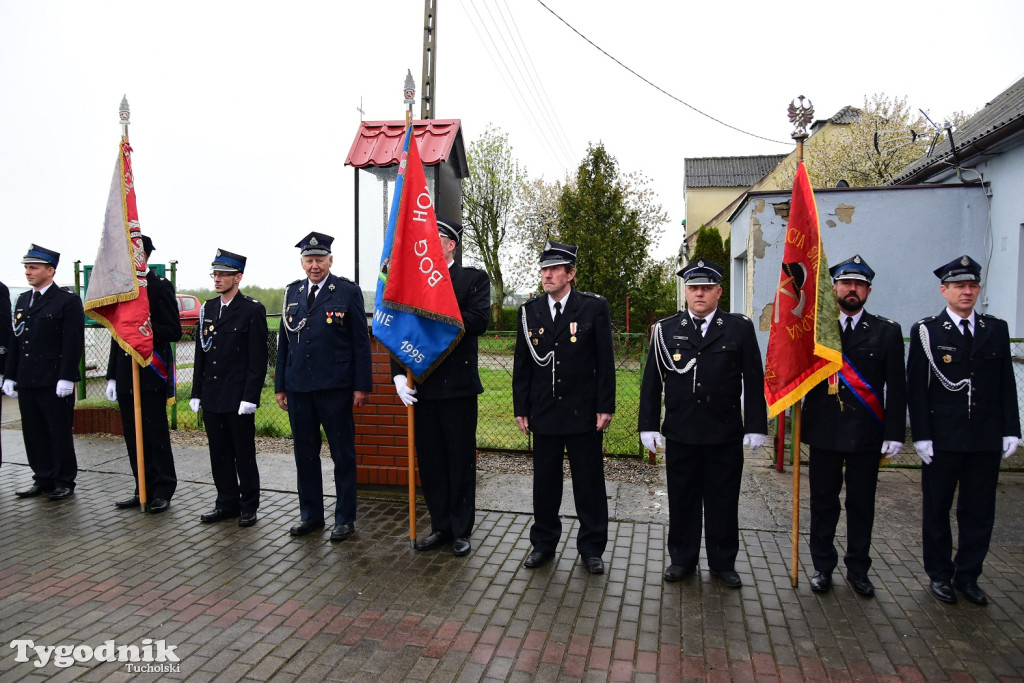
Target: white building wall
904,233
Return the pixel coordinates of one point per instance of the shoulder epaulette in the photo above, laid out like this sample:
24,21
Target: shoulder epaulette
922,321
672,317
591,294
738,315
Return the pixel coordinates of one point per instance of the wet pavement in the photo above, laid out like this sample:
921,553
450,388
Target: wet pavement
257,604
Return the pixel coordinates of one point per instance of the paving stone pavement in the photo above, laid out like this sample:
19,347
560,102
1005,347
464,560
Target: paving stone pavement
257,604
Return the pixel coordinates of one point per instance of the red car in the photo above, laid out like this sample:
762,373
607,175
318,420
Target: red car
188,312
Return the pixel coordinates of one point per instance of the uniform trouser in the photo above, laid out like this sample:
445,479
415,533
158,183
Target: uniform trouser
703,479
446,451
307,412
586,464
233,461
46,428
826,480
977,475
161,479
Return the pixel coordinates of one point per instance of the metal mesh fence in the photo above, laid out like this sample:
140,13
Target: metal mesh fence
496,429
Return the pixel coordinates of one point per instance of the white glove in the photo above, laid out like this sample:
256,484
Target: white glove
891,448
64,388
1010,444
405,392
754,441
193,404
924,451
652,441
112,390
246,408
9,388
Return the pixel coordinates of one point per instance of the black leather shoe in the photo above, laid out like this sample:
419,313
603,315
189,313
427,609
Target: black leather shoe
594,565
677,572
158,505
30,492
342,531
218,515
247,519
132,502
821,582
304,527
60,493
461,546
861,584
728,577
433,541
942,591
972,592
537,559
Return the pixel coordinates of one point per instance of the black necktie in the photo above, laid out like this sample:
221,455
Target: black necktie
558,311
848,330
311,298
35,298
699,322
966,324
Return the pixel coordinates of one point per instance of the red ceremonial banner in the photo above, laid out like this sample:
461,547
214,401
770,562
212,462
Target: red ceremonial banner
803,344
117,295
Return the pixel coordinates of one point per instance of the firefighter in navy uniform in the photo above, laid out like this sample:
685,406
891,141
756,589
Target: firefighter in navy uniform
704,359
323,372
156,382
5,334
47,341
963,416
863,422
230,366
446,410
563,387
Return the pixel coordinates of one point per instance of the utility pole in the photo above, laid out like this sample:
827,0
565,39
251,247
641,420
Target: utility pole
429,58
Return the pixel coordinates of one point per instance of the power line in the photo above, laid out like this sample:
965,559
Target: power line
534,81
656,87
506,75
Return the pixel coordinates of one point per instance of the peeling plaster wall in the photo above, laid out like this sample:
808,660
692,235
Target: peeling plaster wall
903,233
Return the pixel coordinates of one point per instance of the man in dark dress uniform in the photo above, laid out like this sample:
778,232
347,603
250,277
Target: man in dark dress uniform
47,341
563,388
704,359
446,410
323,372
230,366
156,382
864,421
963,416
5,335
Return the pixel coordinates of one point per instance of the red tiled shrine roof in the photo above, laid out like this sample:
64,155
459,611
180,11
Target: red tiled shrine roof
378,143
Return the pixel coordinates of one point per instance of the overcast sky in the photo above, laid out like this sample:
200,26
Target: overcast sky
243,112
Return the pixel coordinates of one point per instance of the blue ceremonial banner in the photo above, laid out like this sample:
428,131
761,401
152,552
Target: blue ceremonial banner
416,315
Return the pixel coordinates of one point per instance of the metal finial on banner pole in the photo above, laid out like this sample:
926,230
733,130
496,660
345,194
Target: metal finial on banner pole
410,96
800,114
125,116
